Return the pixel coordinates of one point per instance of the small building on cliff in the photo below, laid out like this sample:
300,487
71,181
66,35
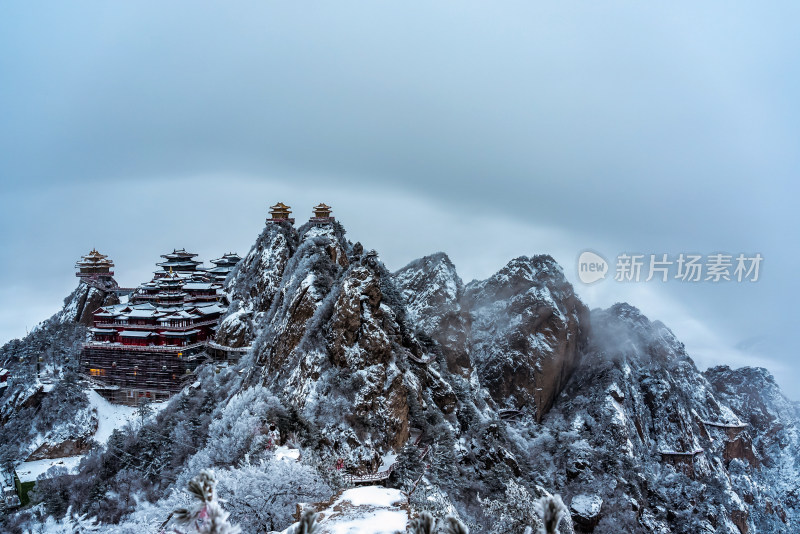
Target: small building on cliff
280,213
322,215
223,266
27,474
94,265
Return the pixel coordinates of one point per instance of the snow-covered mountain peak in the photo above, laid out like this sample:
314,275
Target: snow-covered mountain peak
501,388
431,288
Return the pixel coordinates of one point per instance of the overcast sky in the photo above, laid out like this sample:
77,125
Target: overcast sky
485,130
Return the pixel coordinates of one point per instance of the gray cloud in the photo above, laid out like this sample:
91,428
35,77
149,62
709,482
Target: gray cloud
620,127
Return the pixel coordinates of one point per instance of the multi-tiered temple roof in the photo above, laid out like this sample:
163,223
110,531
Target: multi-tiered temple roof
322,214
223,266
280,212
322,210
94,264
179,261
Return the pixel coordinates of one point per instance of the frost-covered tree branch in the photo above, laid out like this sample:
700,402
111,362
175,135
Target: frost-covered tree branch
207,516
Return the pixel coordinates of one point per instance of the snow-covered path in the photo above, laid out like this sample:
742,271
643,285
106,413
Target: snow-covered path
365,510
109,416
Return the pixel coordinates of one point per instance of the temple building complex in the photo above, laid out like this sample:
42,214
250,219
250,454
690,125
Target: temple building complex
149,346
145,348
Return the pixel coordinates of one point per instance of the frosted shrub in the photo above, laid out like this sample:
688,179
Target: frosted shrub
263,495
521,512
426,524
308,524
551,510
72,523
206,516
234,433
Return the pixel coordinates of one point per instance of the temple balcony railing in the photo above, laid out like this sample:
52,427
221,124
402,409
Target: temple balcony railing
188,298
143,348
157,326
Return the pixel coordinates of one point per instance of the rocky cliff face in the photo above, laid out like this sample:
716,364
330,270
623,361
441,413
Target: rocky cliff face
635,428
79,306
665,447
630,430
432,292
772,443
528,332
522,330
331,333
254,283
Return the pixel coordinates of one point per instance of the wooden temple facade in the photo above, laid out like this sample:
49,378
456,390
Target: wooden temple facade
94,265
322,215
280,212
149,346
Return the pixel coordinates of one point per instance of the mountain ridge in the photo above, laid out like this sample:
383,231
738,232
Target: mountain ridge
508,378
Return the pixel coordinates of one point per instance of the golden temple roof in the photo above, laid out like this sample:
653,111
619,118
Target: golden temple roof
322,210
280,211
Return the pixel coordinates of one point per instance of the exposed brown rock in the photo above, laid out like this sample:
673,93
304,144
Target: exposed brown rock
528,331
432,291
739,518
742,448
70,447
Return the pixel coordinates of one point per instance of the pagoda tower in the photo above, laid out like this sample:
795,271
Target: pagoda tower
279,213
322,215
94,265
223,266
170,290
179,261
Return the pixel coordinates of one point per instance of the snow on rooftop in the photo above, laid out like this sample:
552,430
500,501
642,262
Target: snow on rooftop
181,334
197,286
30,471
208,310
136,333
142,313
